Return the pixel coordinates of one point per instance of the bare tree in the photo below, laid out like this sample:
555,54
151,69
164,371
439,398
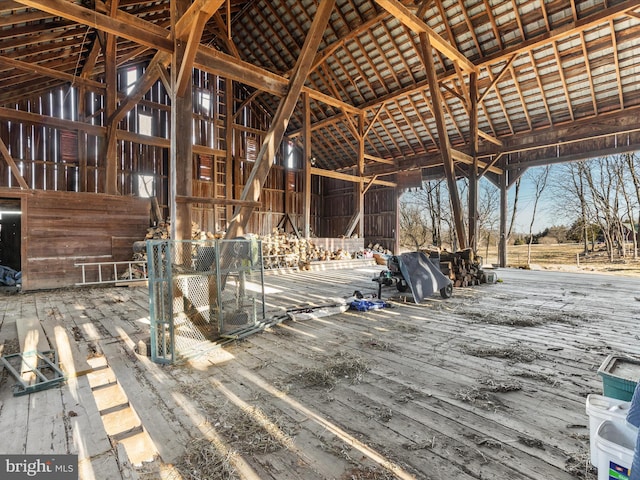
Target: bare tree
514,208
539,183
488,213
571,190
633,166
621,171
604,191
414,231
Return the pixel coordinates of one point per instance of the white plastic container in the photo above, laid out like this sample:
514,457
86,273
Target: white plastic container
599,409
615,444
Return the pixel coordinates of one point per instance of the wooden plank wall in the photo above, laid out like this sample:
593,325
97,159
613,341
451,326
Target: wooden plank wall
55,159
379,215
82,227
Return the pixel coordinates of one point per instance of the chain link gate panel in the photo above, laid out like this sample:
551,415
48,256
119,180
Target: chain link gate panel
200,291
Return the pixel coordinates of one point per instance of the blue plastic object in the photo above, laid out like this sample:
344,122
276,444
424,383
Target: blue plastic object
366,305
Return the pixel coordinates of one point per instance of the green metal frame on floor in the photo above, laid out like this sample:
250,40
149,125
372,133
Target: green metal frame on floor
45,363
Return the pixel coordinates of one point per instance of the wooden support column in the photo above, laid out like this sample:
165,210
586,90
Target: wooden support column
281,118
445,146
229,99
360,186
111,103
306,127
87,71
82,140
396,225
504,209
473,168
181,155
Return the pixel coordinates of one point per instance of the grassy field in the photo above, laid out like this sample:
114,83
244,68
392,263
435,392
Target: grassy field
566,256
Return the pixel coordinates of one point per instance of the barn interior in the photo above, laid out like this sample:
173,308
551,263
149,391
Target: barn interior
241,118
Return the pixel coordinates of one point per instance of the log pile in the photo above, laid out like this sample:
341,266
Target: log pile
282,250
162,232
461,267
279,250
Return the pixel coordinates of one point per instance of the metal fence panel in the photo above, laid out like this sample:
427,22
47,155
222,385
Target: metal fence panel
200,291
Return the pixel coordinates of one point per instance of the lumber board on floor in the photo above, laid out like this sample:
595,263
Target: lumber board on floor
46,428
30,332
87,436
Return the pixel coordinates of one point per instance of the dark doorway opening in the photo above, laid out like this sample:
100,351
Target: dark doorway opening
10,233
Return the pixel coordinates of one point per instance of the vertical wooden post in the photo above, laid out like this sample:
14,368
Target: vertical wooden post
502,247
111,103
229,100
82,140
396,227
360,185
307,166
181,138
473,169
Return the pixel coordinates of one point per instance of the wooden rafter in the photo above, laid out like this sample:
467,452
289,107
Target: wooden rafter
587,66
228,41
322,56
543,95
521,96
49,72
497,78
616,61
123,24
404,15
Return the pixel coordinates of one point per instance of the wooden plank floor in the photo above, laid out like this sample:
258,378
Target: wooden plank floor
488,384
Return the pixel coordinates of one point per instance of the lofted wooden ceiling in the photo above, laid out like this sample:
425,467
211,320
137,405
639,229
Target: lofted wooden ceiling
551,80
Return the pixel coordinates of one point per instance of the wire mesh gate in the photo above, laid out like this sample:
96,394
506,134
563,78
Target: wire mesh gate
200,291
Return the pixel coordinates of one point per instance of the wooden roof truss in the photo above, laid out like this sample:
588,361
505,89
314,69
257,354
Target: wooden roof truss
555,80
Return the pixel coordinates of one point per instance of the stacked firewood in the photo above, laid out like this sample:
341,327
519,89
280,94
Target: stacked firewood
461,267
281,250
161,232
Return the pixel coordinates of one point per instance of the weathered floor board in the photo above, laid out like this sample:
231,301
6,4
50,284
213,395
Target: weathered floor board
488,384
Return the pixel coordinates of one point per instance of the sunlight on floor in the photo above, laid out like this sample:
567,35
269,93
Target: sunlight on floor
331,427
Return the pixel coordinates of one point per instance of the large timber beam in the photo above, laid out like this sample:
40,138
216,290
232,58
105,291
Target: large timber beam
351,178
443,137
306,127
272,140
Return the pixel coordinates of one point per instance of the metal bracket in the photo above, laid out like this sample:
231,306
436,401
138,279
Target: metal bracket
45,370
